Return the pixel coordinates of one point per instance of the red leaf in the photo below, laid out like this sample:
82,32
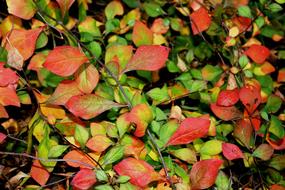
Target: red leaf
243,23
228,97
200,20
63,92
258,53
79,159
231,151
8,97
226,113
250,97
39,173
277,187
3,113
84,179
7,76
281,75
89,106
140,172
64,5
204,173
190,129
23,40
148,58
65,60
142,35
2,137
87,78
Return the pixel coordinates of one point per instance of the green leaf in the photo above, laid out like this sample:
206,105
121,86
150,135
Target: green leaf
244,11
211,147
280,1
123,179
101,175
223,182
186,154
57,151
182,173
278,162
211,73
95,48
274,7
273,103
243,61
158,95
114,8
167,130
152,9
81,135
42,40
103,187
276,127
113,155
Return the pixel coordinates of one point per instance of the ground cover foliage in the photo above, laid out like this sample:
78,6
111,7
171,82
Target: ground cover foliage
142,94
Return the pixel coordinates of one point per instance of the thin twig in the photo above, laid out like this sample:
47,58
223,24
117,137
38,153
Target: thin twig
47,160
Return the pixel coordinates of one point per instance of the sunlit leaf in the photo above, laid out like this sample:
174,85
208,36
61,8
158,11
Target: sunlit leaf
211,147
81,135
89,106
146,58
24,9
203,173
64,60
190,129
23,40
186,154
140,172
114,8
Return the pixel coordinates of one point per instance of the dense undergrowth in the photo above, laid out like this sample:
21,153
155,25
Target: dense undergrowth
181,94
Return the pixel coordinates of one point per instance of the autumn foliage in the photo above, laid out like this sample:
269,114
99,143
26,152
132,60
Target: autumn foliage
150,94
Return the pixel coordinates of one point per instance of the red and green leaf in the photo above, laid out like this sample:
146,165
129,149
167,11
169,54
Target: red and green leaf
24,9
190,129
142,35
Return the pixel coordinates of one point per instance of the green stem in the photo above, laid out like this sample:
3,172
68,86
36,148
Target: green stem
30,137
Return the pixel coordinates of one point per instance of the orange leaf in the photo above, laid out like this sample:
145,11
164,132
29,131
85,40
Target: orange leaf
24,9
87,78
23,40
140,172
141,115
8,97
200,20
64,5
89,106
142,35
39,173
258,53
228,97
3,113
148,58
99,143
250,97
190,129
159,27
75,155
7,76
226,113
277,187
231,151
204,173
65,60
63,92
37,61
281,75
84,179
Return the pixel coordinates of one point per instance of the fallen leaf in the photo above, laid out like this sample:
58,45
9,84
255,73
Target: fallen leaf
190,129
64,60
231,151
204,173
140,172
